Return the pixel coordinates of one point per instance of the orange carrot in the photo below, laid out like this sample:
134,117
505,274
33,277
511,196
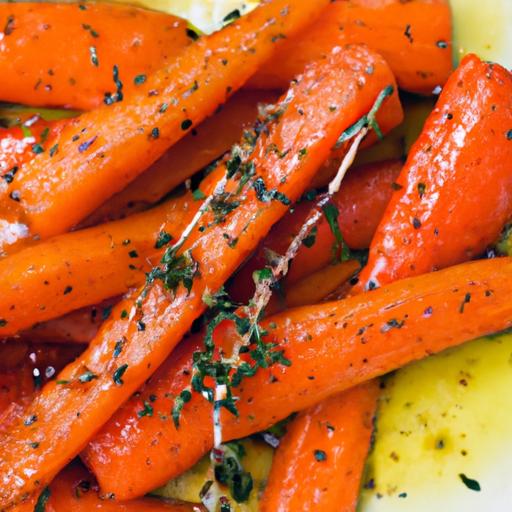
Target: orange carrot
413,36
450,208
20,144
63,54
403,322
330,441
102,151
361,201
127,350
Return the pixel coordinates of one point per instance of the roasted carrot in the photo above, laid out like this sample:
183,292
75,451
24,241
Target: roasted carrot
63,54
102,151
85,267
403,322
207,142
19,144
361,201
330,441
415,37
454,197
127,350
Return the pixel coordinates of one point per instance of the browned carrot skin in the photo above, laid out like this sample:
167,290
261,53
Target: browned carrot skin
361,201
436,314
63,54
102,151
210,140
414,37
456,186
127,350
330,442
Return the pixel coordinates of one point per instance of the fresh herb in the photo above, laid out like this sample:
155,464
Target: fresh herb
340,250
266,196
118,348
470,483
162,240
37,149
118,374
320,455
183,398
87,376
467,300
42,500
185,125
442,44
8,177
84,146
198,195
139,79
231,17
229,471
147,411
310,240
193,33
30,420
90,30
94,56
111,98
222,205
155,133
509,135
421,189
133,254
54,149
106,312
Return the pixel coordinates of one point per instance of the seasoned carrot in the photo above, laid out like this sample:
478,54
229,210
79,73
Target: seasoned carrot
456,186
63,54
102,151
415,37
403,322
361,201
75,490
206,143
85,267
20,144
330,441
127,350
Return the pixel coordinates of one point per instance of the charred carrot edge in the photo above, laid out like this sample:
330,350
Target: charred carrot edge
414,37
330,441
43,71
127,350
442,215
402,322
102,151
210,140
361,202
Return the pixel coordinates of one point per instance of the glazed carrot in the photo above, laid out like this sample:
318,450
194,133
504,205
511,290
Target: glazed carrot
331,442
403,322
20,144
361,201
127,350
455,197
85,267
209,141
102,151
413,36
63,54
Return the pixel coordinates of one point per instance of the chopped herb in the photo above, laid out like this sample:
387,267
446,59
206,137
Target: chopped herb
310,240
9,175
184,397
265,195
34,445
90,30
118,347
37,149
198,194
185,125
340,250
42,500
232,16
139,79
133,254
118,374
221,206
470,483
163,108
163,239
147,411
302,153
87,144
141,326
124,314
509,135
111,98
155,133
94,56
192,33
416,223
229,471
467,300
87,376
68,289
15,196
320,455
442,44
30,420
106,312
421,189
54,149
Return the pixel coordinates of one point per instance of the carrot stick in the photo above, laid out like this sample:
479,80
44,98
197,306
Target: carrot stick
449,210
414,37
82,268
63,54
330,441
361,201
127,350
20,144
102,151
208,142
403,322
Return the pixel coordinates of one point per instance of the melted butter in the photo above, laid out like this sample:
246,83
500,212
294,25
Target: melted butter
439,418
